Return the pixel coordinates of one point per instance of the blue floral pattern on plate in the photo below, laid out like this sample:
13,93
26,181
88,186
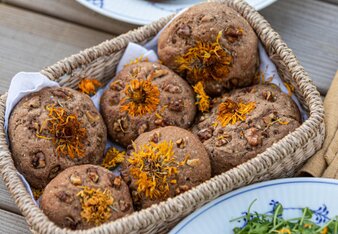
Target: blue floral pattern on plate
97,3
294,194
320,215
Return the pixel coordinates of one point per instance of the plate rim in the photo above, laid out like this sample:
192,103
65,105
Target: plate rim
115,16
139,22
249,188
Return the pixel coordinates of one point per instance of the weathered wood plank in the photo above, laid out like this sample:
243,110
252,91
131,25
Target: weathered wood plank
6,201
31,41
73,11
12,223
331,1
310,28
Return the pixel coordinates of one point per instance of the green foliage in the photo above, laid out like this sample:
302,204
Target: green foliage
275,223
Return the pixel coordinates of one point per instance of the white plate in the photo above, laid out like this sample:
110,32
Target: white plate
320,195
145,11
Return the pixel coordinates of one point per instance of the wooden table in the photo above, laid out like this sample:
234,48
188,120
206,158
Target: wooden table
37,33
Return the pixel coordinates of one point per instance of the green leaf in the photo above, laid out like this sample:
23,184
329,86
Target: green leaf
307,213
279,209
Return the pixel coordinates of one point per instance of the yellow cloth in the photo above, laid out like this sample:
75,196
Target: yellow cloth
325,163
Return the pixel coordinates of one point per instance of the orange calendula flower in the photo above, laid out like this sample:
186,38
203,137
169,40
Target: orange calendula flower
153,167
65,131
206,61
203,100
284,230
230,112
89,86
95,204
142,97
113,157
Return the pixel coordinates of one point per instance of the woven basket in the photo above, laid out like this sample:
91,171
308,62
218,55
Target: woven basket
282,159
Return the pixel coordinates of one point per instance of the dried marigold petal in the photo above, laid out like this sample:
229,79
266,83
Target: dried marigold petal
142,97
113,157
289,87
89,86
230,112
203,100
95,204
37,193
65,131
206,61
154,168
137,60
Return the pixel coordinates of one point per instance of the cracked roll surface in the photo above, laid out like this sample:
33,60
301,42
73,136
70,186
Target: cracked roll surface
211,43
53,129
145,96
164,163
86,196
262,115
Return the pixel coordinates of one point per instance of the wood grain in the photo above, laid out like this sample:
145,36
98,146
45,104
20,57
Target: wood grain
12,223
30,41
310,28
6,201
331,1
72,11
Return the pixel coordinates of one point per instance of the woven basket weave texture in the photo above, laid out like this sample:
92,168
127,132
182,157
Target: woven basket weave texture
282,159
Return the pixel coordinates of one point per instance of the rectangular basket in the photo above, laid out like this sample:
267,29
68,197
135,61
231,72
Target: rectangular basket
282,159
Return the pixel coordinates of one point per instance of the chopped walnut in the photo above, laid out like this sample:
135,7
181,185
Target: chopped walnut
117,181
176,105
193,162
38,160
64,197
253,136
232,35
124,206
93,175
142,128
181,143
155,137
269,96
205,134
170,88
75,179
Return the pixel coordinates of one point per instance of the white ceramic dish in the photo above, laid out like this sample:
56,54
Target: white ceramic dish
141,12
320,195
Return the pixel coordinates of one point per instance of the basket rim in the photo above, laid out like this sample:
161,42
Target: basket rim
274,45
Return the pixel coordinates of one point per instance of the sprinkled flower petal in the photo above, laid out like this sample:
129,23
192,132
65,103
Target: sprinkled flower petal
206,61
113,157
65,131
230,112
96,205
154,168
89,86
203,100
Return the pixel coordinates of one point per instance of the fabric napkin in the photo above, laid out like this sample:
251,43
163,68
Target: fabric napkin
325,162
